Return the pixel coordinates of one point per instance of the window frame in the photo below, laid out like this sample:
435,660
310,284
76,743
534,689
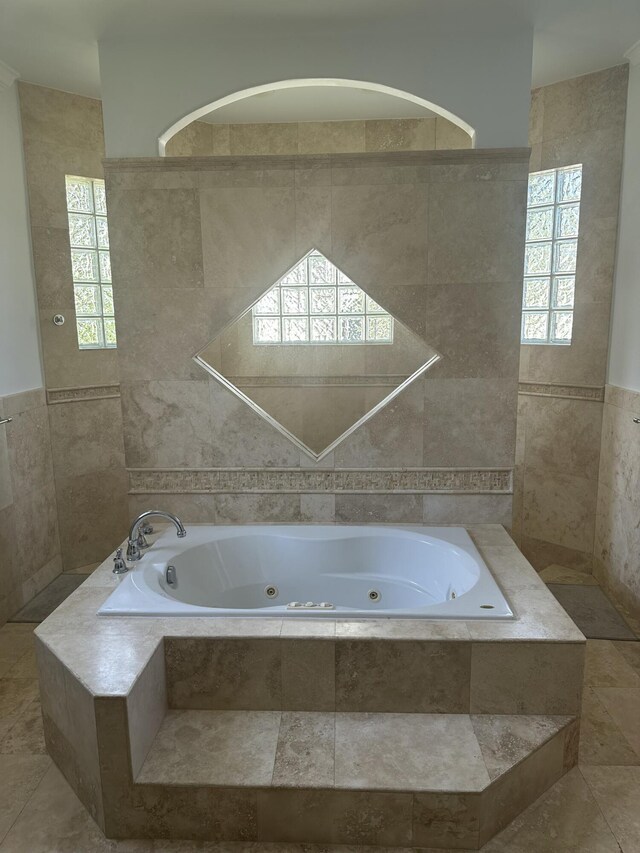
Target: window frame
88,230
547,271
298,283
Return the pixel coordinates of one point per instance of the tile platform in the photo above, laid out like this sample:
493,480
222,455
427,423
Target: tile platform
231,730
305,749
45,816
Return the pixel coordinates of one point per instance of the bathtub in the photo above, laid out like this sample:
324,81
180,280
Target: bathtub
311,571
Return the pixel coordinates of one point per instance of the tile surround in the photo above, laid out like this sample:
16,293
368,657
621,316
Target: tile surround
617,535
63,134
567,817
130,694
29,550
252,198
574,121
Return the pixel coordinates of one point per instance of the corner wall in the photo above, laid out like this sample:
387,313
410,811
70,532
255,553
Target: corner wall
562,388
20,368
617,545
29,543
63,135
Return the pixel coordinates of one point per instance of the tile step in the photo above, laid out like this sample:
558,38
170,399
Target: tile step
342,751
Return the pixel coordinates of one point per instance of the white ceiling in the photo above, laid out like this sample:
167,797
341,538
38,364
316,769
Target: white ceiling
54,42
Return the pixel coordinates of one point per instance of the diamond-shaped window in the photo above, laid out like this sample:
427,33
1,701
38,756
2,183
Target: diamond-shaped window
315,303
316,355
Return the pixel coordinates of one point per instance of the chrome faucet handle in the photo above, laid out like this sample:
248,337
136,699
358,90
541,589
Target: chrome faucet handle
133,552
119,565
147,529
141,541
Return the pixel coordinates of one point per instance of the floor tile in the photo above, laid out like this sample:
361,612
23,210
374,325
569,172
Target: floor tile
408,751
617,791
51,597
305,753
19,777
601,741
566,819
26,735
605,666
623,704
592,611
213,747
55,821
630,652
24,667
15,695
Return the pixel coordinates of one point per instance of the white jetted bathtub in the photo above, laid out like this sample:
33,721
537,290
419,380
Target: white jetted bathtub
306,571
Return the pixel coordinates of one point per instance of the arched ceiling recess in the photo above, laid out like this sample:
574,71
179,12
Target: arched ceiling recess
361,85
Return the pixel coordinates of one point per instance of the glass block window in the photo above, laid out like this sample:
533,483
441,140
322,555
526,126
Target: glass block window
551,250
315,303
90,262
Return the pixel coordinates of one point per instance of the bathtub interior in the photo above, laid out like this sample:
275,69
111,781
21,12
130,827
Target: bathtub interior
312,570
258,570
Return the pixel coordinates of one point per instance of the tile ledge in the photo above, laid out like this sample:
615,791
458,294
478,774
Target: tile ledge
264,161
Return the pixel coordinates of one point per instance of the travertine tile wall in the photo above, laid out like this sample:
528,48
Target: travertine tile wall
439,240
62,134
29,541
558,439
560,412
200,139
617,540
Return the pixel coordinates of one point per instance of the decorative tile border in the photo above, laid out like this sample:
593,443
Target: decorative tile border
595,393
476,481
82,392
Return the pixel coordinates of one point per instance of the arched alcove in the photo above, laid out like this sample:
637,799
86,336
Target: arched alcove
413,102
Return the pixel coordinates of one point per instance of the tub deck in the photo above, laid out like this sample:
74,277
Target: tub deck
115,690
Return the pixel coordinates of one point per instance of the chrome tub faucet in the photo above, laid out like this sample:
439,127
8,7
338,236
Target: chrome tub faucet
137,541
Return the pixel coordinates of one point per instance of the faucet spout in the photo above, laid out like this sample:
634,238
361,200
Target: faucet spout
133,549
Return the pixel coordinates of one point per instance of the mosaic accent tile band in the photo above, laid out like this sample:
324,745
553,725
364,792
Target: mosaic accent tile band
570,392
476,481
82,392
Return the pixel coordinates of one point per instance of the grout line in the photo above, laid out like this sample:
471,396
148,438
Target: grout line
597,802
28,800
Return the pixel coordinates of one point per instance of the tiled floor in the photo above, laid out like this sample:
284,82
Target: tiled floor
594,809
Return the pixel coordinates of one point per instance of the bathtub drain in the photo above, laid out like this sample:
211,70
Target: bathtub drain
271,591
374,595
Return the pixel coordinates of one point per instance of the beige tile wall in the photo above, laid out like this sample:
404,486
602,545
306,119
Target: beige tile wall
29,541
617,541
424,236
558,441
575,121
200,139
63,134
